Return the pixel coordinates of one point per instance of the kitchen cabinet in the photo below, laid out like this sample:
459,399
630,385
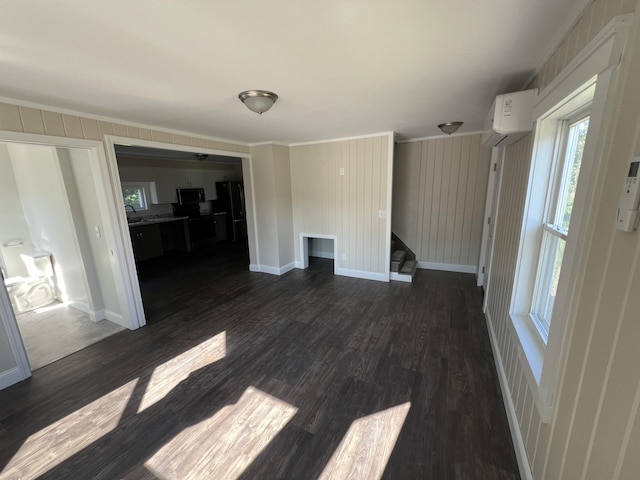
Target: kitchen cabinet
221,226
146,241
175,236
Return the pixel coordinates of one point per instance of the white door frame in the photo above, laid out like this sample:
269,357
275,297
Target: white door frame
129,271
484,263
493,212
95,149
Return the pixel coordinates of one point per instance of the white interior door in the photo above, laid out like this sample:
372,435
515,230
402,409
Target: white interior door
491,204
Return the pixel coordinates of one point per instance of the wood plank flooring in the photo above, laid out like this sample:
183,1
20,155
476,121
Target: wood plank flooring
245,375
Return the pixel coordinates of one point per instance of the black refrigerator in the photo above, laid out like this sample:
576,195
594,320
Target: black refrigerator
231,200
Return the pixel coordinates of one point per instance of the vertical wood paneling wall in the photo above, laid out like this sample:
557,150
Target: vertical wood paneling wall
15,118
439,191
347,206
594,432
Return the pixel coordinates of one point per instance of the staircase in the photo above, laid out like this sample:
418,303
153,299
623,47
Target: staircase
403,261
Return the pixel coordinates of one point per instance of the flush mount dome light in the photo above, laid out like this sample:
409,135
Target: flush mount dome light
258,101
450,127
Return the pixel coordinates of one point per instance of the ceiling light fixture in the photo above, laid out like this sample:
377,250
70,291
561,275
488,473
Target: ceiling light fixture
200,156
258,101
450,127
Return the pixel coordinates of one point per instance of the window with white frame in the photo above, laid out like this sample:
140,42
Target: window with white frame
561,192
135,195
571,120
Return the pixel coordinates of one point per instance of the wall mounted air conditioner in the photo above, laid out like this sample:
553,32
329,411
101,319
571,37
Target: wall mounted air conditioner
509,118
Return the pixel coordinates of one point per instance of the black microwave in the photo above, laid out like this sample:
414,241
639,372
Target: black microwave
190,195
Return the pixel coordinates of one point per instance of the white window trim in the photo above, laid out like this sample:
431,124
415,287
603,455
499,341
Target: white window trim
146,193
597,62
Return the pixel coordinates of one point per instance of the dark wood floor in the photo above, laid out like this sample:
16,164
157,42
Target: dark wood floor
251,376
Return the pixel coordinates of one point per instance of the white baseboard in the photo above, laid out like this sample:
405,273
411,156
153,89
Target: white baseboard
400,277
113,317
345,272
447,267
10,377
514,427
83,307
99,316
273,270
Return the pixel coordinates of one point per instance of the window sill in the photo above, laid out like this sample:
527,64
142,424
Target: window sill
531,351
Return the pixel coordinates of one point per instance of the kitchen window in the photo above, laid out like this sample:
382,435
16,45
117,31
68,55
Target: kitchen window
135,195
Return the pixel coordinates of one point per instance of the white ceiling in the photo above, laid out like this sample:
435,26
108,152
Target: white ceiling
341,67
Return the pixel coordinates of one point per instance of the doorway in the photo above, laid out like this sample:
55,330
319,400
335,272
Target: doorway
168,233
58,255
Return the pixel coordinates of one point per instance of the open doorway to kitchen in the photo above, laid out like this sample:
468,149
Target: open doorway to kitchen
182,208
54,258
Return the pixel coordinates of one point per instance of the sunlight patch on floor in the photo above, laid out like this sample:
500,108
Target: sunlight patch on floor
365,449
59,441
223,446
166,376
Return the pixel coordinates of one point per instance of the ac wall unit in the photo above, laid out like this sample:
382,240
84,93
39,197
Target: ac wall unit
509,118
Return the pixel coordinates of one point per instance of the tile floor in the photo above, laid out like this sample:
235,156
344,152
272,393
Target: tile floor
57,330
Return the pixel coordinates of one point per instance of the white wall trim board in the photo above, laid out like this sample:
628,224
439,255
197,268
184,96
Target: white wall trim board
48,140
343,139
113,317
304,248
261,144
83,307
254,215
448,267
435,137
345,272
287,268
21,369
514,426
387,246
11,377
272,270
400,277
119,121
488,213
116,140
602,52
99,315
269,269
578,8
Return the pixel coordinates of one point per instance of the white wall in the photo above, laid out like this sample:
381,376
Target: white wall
270,167
321,247
13,227
439,190
346,206
49,218
96,252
